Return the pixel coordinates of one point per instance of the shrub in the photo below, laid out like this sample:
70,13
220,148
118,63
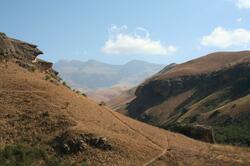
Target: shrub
20,155
47,77
65,84
84,94
102,103
32,69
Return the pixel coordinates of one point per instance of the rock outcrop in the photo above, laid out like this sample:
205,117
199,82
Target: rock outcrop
73,142
18,49
25,55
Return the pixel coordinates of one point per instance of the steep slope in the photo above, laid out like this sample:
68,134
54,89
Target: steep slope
120,102
211,91
38,111
107,94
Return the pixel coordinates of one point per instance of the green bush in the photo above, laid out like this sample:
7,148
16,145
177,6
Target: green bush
84,94
32,69
236,134
19,155
47,77
65,84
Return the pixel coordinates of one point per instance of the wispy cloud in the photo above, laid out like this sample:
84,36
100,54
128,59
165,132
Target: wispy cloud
224,38
243,4
239,20
139,42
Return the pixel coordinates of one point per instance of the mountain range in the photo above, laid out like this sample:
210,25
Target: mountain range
102,81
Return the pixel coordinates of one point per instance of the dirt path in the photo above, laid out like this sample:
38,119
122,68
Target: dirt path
164,149
156,158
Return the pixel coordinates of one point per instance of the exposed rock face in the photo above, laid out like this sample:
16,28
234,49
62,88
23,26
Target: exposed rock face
70,142
25,55
43,65
18,49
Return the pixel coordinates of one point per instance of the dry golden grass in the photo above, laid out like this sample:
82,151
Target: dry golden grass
35,110
206,64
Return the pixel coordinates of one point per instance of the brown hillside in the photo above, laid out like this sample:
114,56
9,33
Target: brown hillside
199,92
37,110
206,64
120,102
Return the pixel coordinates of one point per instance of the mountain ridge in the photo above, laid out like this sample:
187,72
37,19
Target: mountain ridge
102,81
200,92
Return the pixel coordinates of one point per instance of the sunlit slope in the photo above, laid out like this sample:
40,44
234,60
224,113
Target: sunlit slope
191,92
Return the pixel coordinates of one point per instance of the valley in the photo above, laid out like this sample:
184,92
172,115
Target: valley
213,95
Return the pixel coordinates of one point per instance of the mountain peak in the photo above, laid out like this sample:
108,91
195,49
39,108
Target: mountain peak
135,62
93,61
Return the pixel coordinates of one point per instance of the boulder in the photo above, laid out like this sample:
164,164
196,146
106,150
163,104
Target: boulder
72,142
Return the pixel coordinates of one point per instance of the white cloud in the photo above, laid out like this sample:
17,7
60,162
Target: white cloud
223,38
243,4
239,20
121,42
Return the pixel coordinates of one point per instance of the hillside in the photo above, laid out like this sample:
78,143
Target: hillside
210,91
43,122
121,101
102,81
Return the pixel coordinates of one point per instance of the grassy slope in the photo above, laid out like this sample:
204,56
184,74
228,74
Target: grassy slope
34,111
195,105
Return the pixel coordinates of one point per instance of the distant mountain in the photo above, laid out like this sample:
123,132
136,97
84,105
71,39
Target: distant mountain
104,81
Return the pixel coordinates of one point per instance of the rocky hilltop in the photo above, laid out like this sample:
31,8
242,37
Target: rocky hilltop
25,55
212,91
43,122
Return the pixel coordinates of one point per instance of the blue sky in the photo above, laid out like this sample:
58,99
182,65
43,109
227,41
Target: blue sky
117,31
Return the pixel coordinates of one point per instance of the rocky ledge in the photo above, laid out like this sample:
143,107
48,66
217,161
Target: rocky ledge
25,55
73,142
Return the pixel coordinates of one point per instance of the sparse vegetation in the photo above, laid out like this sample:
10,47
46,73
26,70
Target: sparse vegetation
65,84
32,69
24,155
102,103
84,94
20,155
47,77
236,134
3,34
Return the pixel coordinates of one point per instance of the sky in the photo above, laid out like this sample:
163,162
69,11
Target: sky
117,31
